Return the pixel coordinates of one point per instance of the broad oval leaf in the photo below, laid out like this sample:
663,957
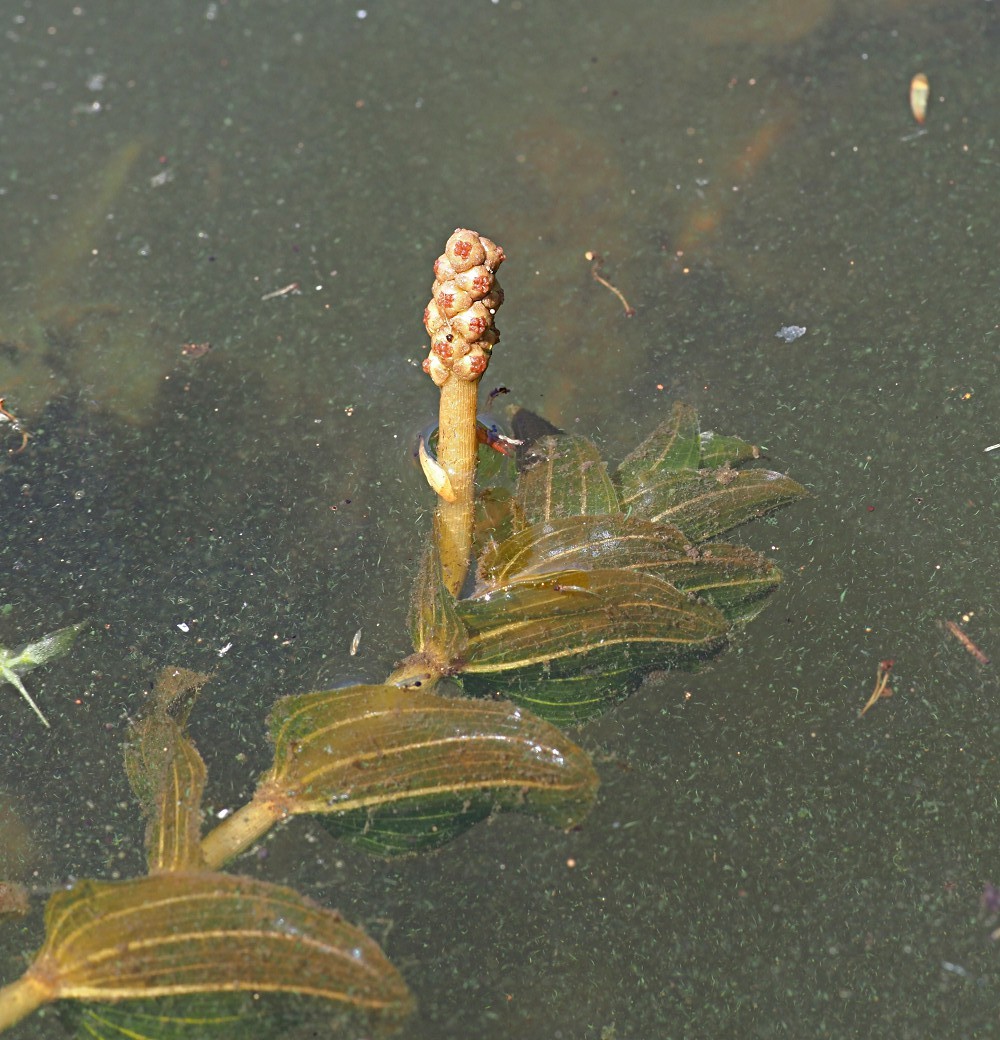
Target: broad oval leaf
567,477
730,577
186,933
579,543
705,503
567,645
683,477
402,770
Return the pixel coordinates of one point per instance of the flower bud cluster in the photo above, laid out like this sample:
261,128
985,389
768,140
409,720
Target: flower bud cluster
459,318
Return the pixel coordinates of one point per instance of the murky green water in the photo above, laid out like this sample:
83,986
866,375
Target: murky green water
761,862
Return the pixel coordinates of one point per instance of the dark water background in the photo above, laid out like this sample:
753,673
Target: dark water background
761,862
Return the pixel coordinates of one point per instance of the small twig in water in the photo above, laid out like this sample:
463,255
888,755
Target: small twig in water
596,262
965,641
291,289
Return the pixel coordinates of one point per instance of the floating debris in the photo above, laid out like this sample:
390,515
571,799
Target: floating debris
919,93
882,688
953,628
14,899
15,425
790,333
596,262
292,289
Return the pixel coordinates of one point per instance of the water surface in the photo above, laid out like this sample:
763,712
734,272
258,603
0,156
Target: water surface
761,861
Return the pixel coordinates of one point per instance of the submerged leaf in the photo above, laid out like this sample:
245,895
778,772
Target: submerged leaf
401,770
494,518
674,444
218,1017
437,631
179,933
568,644
173,837
41,651
687,478
167,774
580,543
177,690
717,450
567,477
706,503
730,577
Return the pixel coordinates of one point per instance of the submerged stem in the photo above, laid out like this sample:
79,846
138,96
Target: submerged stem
238,832
458,452
20,998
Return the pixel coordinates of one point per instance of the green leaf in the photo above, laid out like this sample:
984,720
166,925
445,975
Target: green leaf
717,450
216,1016
567,478
195,1017
41,651
610,542
493,518
403,770
705,503
566,645
732,578
15,663
173,836
182,933
167,773
674,444
683,477
417,825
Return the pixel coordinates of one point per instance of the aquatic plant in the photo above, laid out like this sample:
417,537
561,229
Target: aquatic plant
586,580
15,663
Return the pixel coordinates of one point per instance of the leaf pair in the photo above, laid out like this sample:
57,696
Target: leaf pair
683,477
403,770
395,770
185,930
